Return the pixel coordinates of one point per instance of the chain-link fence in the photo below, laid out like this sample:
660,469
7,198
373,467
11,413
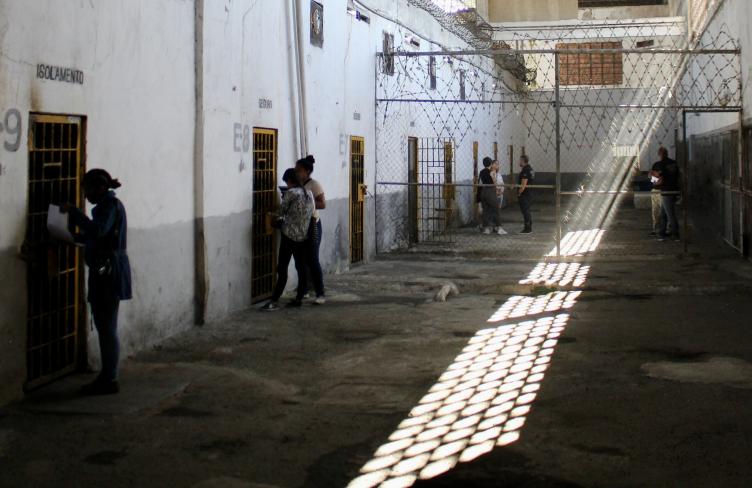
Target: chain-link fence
589,105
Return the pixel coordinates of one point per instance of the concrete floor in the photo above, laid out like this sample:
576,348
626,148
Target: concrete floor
650,383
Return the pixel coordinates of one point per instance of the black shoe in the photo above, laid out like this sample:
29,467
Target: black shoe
653,234
270,306
661,238
526,231
294,304
100,387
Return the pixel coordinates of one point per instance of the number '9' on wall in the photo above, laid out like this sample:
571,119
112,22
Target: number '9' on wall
10,129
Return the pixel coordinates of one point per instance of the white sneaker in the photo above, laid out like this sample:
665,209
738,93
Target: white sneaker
320,300
501,231
486,230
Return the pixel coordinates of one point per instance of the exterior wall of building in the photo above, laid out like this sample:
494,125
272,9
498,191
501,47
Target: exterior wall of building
531,10
732,19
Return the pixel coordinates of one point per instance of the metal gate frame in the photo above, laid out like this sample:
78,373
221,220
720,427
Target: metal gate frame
262,206
682,107
357,200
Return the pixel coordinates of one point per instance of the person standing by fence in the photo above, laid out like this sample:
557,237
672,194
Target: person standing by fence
500,187
488,198
655,192
524,195
670,184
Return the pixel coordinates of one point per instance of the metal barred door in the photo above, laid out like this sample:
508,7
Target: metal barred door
264,243
54,275
357,198
413,190
436,195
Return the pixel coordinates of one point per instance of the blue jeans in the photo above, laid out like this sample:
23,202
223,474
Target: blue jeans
317,276
669,224
104,309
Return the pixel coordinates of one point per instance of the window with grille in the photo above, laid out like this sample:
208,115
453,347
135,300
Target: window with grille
388,48
598,68
432,72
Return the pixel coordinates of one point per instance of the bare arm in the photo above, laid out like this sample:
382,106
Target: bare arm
320,202
523,185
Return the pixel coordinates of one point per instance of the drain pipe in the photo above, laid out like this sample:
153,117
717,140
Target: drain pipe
199,237
294,78
300,74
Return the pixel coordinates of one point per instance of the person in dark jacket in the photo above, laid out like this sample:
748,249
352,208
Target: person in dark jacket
105,242
670,187
488,198
524,195
294,222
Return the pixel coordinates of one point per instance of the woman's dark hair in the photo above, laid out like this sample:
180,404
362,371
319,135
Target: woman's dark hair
307,163
290,177
487,162
101,177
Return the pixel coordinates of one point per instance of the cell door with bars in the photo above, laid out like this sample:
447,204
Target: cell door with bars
412,190
436,195
357,198
264,243
54,276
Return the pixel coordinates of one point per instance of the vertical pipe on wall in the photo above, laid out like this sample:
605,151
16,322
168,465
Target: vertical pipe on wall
292,63
558,156
300,72
740,175
376,155
199,237
685,182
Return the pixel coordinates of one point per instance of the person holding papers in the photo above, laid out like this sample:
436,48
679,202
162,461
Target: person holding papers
104,237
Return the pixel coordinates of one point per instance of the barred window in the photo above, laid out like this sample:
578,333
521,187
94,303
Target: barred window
591,68
432,72
388,48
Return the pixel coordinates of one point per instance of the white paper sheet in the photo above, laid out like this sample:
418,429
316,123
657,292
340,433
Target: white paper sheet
57,224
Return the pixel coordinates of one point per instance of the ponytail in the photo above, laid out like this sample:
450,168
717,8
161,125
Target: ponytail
99,176
306,163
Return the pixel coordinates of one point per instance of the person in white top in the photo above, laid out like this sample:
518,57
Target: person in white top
498,179
303,169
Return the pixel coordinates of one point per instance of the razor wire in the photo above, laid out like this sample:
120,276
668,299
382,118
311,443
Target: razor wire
607,132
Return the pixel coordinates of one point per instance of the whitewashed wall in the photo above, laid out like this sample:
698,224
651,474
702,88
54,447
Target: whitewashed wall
137,96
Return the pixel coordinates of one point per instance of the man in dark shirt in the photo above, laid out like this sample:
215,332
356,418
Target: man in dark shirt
525,178
669,182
